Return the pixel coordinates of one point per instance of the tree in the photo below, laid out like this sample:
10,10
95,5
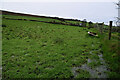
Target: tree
118,18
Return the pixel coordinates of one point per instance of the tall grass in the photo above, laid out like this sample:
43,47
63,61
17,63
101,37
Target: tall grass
111,50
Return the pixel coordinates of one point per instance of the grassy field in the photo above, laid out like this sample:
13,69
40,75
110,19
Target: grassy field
43,50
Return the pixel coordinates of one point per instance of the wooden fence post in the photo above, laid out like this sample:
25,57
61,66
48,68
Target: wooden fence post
110,29
84,23
100,27
90,24
95,26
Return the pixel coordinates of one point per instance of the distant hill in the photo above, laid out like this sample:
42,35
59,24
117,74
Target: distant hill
22,14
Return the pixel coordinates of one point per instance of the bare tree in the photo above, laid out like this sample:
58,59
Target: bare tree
118,18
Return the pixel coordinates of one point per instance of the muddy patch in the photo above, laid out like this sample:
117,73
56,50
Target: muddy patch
97,71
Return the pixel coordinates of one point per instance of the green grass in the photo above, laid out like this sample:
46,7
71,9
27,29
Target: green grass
30,18
42,50
94,64
111,54
83,74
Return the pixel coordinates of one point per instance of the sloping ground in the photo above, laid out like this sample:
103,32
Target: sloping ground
36,17
111,50
43,50
45,20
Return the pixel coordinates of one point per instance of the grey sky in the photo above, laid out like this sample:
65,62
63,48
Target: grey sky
59,0
94,11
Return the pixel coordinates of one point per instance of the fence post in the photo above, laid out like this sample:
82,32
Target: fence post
103,27
110,29
90,24
100,27
97,26
84,23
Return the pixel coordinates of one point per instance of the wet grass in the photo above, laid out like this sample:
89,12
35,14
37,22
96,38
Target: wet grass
94,64
111,54
42,50
83,74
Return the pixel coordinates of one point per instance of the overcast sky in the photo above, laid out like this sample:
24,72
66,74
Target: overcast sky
96,12
59,0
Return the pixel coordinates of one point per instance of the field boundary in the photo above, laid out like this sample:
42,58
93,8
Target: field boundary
3,12
52,22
